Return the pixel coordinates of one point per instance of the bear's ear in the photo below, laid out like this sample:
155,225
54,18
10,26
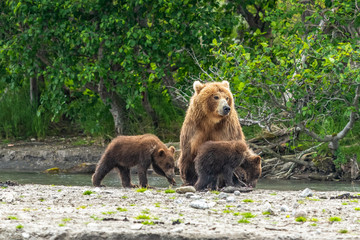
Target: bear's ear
226,84
257,160
161,152
198,86
172,149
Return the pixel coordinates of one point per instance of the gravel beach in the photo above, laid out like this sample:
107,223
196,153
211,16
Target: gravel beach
62,212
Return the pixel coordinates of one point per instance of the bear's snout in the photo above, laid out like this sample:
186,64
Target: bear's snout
223,108
226,110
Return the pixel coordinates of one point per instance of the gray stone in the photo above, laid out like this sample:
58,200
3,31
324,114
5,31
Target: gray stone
222,195
237,193
306,193
230,199
199,204
185,189
189,194
284,208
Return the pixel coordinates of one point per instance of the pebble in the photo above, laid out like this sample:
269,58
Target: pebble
8,197
230,199
194,196
136,226
201,204
300,213
284,208
222,195
25,235
177,230
306,193
185,189
189,194
237,193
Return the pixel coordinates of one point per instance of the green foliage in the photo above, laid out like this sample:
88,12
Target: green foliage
300,219
143,217
334,219
88,192
170,191
243,220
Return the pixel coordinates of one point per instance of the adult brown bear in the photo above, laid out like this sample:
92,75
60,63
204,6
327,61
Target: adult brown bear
125,152
220,158
211,116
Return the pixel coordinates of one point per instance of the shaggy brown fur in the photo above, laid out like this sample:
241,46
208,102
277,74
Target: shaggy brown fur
125,152
211,116
215,158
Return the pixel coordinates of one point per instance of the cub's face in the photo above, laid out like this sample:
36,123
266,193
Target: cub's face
252,167
215,98
164,163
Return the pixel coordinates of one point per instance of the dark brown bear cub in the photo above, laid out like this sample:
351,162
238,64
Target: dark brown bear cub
125,152
217,158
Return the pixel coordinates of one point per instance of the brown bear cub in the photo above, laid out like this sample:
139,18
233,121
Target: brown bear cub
125,152
216,158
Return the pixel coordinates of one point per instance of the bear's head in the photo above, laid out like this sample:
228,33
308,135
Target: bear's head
163,163
214,99
252,168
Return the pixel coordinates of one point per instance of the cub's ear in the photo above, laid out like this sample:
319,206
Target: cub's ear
198,86
172,149
161,152
226,84
257,160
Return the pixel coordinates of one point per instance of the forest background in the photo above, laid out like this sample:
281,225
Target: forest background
101,68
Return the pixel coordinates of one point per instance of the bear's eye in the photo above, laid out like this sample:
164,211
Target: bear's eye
227,98
216,97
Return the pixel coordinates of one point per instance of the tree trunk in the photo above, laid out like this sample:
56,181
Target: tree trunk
148,108
34,92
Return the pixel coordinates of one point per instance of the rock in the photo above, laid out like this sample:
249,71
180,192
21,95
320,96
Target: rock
229,189
230,199
201,204
237,193
300,213
284,208
306,193
177,230
189,194
194,196
25,235
185,189
136,226
7,197
222,195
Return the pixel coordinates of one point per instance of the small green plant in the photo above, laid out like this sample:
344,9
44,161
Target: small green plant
243,220
66,219
215,192
108,213
96,218
312,199
61,224
157,204
124,197
180,214
12,218
227,211
266,213
314,220
81,207
170,191
248,200
345,203
19,226
343,231
301,201
323,211
132,205
273,194
145,211
313,224
148,222
236,214
121,209
142,217
172,197
300,219
229,206
334,219
354,200
88,192
357,209
141,189
59,190
247,215
41,199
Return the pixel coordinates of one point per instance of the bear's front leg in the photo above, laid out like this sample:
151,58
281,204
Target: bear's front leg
142,173
228,175
124,173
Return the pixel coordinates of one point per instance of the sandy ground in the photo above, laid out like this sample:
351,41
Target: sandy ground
62,212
